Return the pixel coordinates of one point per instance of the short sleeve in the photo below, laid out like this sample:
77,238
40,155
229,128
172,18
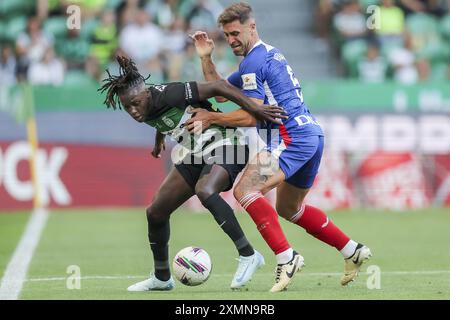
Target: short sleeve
172,95
235,79
180,95
252,78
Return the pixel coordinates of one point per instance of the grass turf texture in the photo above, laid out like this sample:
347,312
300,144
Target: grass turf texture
111,248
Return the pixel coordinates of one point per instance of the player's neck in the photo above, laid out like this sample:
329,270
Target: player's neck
253,44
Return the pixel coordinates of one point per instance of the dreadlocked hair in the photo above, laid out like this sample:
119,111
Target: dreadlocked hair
128,77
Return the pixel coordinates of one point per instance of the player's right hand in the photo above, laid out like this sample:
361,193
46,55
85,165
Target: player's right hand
203,44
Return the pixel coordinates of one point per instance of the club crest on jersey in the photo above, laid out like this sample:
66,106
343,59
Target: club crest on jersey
249,81
168,122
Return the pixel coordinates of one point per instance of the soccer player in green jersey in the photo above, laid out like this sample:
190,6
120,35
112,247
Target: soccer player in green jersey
166,107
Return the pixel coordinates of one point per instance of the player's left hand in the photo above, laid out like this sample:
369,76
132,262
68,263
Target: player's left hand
200,120
158,149
160,145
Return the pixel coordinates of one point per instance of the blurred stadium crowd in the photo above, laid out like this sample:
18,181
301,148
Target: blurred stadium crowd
409,43
38,47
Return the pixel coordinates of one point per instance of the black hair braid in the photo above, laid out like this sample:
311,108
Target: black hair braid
128,77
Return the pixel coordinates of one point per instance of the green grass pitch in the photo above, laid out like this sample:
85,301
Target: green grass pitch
111,248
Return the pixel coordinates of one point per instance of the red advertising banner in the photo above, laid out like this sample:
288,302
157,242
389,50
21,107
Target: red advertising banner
393,181
101,176
442,178
79,175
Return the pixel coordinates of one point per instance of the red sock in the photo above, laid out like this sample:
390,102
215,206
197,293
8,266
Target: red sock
316,223
266,220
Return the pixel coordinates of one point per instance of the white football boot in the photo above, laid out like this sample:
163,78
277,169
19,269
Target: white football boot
354,263
247,266
152,284
284,273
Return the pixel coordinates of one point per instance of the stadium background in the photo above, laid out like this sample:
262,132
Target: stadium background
382,96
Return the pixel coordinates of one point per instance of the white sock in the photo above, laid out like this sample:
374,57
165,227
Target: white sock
349,249
285,256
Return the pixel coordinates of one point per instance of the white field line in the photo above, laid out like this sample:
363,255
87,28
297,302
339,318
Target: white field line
303,274
16,271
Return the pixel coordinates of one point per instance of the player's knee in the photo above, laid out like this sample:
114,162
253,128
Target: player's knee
155,214
238,192
203,192
284,211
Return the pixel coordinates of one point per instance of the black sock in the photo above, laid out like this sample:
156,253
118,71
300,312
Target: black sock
158,236
224,216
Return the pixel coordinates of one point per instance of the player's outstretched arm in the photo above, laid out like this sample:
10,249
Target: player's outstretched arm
258,110
205,47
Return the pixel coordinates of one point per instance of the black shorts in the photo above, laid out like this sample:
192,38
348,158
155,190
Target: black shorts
232,158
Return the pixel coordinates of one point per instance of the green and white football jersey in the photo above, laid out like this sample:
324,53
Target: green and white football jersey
171,105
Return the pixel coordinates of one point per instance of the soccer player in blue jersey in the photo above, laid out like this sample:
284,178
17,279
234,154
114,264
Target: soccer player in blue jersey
265,76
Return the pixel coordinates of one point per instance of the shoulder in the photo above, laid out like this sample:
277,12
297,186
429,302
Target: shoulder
258,58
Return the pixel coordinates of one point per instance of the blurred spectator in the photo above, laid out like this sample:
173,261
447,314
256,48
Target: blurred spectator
7,66
128,11
403,61
392,24
141,41
191,67
163,11
31,46
438,8
175,38
73,48
373,67
48,71
324,17
174,43
104,38
203,15
423,69
89,8
226,60
350,22
92,68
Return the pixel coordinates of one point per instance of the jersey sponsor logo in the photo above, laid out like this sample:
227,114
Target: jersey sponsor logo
249,81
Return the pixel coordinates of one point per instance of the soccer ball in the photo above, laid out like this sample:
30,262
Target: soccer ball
192,266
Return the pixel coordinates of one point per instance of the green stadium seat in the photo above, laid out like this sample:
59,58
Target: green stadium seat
351,53
56,26
445,27
365,3
88,27
112,4
421,23
10,8
78,78
435,51
2,32
439,71
14,27
426,39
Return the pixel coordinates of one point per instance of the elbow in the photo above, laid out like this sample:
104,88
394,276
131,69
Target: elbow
220,99
220,88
